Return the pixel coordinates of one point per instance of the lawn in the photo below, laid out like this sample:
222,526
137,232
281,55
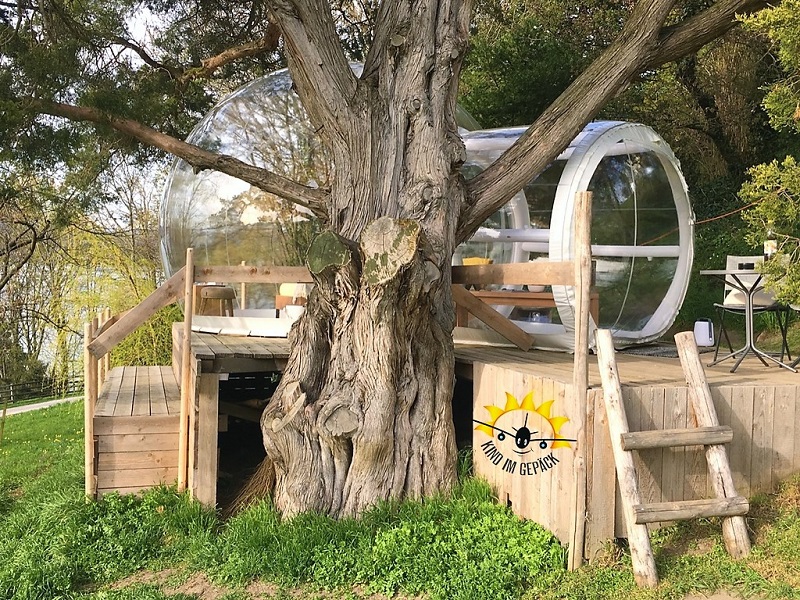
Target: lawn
55,544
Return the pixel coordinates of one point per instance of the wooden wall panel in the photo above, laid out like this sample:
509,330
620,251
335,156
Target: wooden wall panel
536,482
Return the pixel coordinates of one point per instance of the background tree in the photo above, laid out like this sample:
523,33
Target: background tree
363,410
773,188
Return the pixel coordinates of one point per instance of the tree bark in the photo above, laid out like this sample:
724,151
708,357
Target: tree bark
363,412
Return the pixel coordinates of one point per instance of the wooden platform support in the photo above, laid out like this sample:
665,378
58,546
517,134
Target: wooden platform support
637,515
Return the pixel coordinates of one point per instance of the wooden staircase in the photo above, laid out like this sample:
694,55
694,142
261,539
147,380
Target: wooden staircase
707,433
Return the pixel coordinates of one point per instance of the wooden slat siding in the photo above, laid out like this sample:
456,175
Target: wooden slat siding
141,393
136,442
673,458
137,477
148,459
124,404
539,272
158,392
252,274
696,472
484,386
740,452
137,490
562,510
763,419
107,401
651,417
146,424
601,493
172,392
783,434
721,397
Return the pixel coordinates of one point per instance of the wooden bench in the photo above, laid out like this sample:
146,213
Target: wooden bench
523,299
136,424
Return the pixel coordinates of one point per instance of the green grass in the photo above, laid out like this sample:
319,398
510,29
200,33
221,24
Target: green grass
55,544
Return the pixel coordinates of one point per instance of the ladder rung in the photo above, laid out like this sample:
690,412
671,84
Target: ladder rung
667,438
691,509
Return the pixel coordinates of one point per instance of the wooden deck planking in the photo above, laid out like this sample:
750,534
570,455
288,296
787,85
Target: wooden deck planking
763,418
107,398
740,455
141,395
158,393
124,404
783,433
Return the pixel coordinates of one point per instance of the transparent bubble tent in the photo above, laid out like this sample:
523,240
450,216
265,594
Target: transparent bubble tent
642,223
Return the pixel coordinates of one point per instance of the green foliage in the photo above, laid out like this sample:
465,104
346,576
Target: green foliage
55,544
150,344
774,189
52,541
781,24
515,68
465,546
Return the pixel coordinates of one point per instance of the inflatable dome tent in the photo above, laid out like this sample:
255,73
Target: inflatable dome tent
642,225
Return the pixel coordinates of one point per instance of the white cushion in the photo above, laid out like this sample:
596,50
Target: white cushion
738,299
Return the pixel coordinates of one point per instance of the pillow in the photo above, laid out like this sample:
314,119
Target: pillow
738,299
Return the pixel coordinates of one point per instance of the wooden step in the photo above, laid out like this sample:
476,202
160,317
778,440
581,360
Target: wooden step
669,438
691,509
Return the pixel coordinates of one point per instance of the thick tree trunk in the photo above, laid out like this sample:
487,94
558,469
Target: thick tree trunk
363,411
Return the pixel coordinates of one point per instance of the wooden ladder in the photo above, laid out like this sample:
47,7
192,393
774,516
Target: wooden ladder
708,433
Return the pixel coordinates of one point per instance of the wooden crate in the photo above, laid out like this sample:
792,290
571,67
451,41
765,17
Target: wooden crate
136,429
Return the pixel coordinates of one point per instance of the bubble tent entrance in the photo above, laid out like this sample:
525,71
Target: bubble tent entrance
642,226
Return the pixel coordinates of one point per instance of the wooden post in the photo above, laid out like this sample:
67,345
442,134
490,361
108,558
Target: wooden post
580,373
90,400
243,291
734,529
107,355
101,360
186,356
644,565
5,408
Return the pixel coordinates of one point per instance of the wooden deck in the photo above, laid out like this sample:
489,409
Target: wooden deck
136,429
136,425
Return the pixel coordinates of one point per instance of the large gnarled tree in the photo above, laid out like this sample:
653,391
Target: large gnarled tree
363,410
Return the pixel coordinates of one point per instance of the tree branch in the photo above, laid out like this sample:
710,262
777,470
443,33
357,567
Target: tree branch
315,200
267,43
320,71
676,41
643,44
146,58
